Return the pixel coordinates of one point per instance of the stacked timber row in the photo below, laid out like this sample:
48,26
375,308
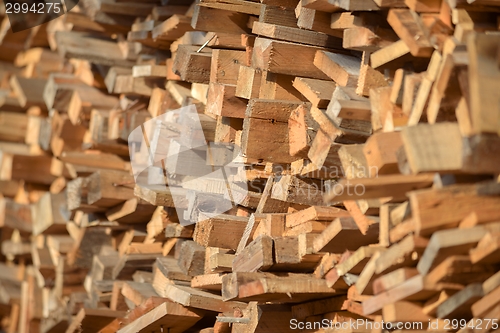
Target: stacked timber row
368,131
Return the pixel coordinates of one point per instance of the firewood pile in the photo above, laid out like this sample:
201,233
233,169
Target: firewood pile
242,166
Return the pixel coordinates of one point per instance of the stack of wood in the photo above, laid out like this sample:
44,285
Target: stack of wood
369,131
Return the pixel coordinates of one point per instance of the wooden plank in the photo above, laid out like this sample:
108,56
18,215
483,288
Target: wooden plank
169,315
343,69
463,199
256,256
483,71
318,92
224,231
446,242
276,56
296,35
343,234
393,185
227,21
407,25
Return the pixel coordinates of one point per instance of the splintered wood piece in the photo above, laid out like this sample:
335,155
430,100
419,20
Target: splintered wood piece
409,27
281,57
256,256
296,35
343,69
341,235
384,186
168,315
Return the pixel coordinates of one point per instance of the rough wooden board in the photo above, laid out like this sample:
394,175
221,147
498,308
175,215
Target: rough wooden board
318,92
433,209
407,25
222,231
413,289
483,72
296,35
343,234
168,315
446,242
343,69
256,256
384,186
276,56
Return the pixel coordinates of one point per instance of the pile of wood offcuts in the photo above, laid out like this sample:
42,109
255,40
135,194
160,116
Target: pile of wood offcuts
367,138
